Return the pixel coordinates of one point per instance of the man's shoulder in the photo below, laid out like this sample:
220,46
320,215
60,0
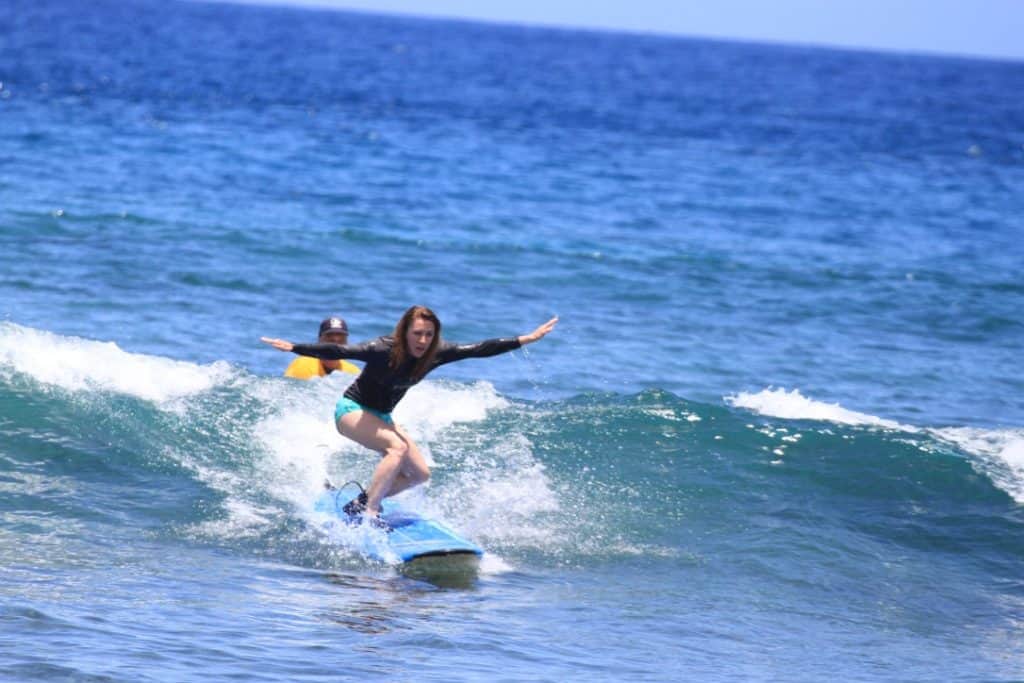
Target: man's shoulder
304,367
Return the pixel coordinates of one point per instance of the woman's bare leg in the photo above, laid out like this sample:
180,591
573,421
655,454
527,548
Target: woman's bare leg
414,469
401,464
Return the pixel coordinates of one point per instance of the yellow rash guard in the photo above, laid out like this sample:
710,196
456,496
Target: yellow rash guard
305,367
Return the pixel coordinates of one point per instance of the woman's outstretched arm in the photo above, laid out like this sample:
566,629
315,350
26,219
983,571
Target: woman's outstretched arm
327,351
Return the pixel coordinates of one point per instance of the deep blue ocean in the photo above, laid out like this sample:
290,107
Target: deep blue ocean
778,434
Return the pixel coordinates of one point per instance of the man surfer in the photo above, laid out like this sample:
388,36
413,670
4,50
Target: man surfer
333,330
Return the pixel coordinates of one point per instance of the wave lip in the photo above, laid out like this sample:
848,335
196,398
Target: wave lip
999,454
995,453
792,405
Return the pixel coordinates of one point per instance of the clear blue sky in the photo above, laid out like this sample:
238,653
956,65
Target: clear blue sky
993,28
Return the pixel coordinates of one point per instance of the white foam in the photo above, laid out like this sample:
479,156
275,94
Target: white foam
243,520
793,405
77,364
501,494
364,535
492,564
433,406
299,446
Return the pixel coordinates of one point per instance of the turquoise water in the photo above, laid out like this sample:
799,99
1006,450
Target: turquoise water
777,435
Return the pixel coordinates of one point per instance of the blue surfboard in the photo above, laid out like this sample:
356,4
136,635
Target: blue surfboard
408,535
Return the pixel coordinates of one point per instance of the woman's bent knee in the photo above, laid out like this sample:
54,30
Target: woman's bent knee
396,449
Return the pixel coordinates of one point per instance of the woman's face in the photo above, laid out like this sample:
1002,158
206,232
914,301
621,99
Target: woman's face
419,336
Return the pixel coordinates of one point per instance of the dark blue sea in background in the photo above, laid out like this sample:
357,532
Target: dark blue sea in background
778,433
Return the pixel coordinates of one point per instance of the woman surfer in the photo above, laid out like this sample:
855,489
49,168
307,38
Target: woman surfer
393,365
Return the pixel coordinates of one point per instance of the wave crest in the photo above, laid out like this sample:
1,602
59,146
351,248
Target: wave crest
77,364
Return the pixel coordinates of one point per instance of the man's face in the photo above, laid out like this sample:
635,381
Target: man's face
334,338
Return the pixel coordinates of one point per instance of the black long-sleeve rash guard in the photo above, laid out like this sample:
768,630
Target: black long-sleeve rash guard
381,388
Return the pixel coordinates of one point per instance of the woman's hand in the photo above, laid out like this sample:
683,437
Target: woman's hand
539,332
279,344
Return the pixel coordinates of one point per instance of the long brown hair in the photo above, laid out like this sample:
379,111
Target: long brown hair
400,350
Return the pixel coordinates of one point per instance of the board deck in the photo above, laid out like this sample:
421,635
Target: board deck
409,536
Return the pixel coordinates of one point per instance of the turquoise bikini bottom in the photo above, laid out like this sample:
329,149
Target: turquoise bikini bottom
347,405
